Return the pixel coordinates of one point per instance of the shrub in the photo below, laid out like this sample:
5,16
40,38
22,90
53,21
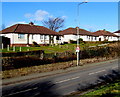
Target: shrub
65,43
80,39
35,44
73,41
99,52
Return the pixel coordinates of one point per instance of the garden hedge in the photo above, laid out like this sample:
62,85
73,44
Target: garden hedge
27,61
23,53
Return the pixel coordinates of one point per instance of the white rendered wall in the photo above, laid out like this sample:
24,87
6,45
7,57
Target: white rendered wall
67,38
35,37
14,38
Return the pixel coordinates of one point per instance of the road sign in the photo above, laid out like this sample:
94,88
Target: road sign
77,49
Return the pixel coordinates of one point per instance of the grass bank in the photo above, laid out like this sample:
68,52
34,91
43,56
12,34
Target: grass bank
51,49
110,90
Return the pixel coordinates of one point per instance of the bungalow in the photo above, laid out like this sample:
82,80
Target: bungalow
117,33
105,35
26,34
71,34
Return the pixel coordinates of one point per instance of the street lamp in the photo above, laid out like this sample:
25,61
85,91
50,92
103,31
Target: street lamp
77,49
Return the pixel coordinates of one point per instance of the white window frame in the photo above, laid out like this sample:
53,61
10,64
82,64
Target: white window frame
41,37
21,36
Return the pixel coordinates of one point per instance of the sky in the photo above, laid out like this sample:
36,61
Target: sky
58,0
93,16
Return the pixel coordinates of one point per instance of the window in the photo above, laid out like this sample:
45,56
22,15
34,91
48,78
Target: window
95,38
57,38
87,36
21,36
91,38
41,36
45,37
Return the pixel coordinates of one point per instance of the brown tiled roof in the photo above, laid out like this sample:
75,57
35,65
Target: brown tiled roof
74,32
117,31
104,33
28,29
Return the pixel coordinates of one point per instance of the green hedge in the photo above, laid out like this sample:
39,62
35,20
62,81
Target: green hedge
26,61
23,53
95,52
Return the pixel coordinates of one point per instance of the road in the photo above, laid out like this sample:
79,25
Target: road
61,84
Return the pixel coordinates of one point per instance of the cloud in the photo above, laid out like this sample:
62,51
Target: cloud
28,15
39,15
64,17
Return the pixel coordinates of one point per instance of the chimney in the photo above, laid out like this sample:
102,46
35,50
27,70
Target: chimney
31,23
104,30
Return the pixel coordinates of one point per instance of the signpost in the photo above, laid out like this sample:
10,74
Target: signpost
77,49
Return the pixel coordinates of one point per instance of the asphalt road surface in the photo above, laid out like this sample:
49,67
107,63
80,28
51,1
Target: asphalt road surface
61,84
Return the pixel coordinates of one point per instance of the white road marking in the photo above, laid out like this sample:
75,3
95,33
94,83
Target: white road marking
114,67
21,91
37,87
67,79
99,82
96,72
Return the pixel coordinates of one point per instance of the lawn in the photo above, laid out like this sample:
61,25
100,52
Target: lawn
110,90
50,49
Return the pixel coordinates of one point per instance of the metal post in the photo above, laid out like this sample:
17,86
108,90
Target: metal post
13,48
20,49
2,46
77,46
78,31
8,48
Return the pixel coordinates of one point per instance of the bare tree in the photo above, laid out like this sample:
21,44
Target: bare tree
54,23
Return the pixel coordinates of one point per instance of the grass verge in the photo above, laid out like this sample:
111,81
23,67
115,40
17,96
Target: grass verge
110,90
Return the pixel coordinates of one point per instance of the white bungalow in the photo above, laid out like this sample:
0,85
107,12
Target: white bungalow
104,35
71,34
26,34
117,33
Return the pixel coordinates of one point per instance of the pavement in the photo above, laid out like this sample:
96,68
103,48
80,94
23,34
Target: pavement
46,74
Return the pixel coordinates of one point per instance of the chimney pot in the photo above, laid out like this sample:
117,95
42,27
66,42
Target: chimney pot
31,23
